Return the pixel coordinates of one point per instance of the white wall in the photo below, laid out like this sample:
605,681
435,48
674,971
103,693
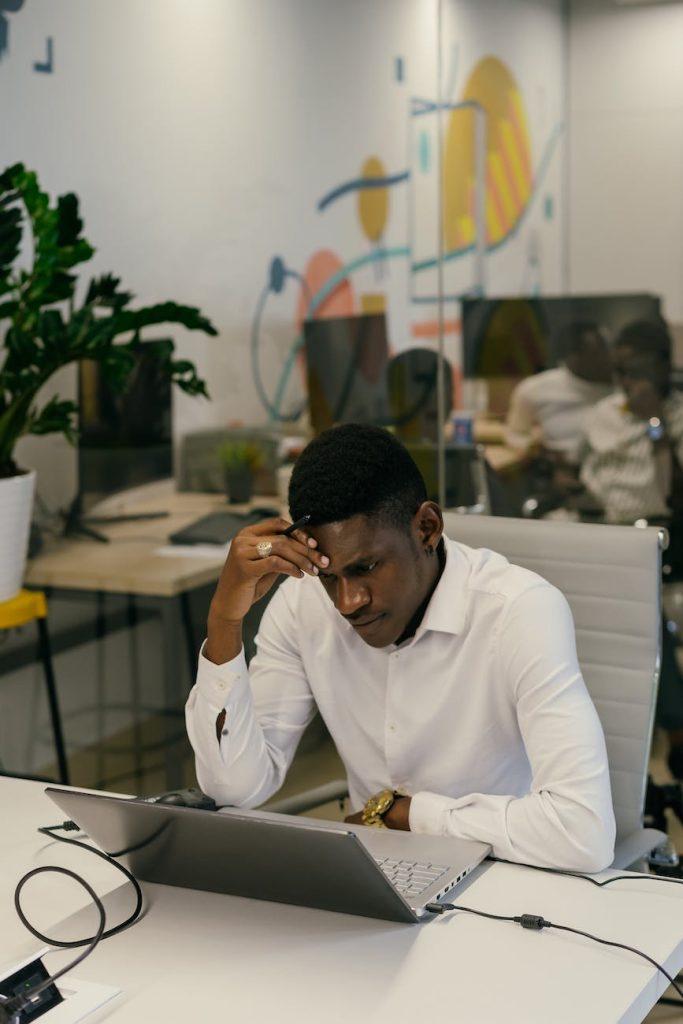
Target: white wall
626,146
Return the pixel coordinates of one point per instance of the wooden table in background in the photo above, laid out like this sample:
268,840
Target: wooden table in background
133,564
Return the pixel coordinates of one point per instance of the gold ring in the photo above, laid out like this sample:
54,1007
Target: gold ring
264,548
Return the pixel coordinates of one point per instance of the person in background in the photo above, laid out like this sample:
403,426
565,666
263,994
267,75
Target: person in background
547,410
634,438
632,467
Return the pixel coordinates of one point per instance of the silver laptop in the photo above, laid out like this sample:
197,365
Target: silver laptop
290,859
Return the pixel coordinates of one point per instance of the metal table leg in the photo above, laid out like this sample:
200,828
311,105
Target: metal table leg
190,641
171,614
46,658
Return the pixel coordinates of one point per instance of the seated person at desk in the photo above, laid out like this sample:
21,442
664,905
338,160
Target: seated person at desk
547,410
444,674
633,469
634,438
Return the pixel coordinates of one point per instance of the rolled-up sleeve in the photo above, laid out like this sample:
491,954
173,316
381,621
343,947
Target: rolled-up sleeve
566,820
267,707
521,427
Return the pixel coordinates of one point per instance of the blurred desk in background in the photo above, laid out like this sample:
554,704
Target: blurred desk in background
136,563
501,457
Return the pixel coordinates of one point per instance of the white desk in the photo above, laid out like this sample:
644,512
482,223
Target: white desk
243,960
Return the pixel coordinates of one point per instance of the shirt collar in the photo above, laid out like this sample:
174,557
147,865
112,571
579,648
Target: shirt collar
447,608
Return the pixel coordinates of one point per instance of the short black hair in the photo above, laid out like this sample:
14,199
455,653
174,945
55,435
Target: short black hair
571,337
356,469
650,337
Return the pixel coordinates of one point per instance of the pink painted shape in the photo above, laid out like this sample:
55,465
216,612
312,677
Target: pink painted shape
319,269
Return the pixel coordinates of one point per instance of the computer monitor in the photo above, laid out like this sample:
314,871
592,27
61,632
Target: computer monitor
413,378
346,364
516,337
125,436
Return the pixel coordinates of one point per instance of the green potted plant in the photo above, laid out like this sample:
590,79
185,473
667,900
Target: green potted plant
48,327
240,460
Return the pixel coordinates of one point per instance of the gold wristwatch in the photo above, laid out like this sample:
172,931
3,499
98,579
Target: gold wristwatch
376,807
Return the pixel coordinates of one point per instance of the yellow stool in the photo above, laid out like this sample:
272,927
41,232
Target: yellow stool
29,606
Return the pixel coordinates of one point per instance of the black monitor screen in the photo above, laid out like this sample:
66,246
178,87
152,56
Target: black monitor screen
346,363
125,436
515,337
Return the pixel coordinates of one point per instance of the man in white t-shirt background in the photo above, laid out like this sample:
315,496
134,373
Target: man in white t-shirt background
547,410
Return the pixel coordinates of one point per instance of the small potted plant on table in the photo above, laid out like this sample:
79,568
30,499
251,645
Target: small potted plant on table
240,460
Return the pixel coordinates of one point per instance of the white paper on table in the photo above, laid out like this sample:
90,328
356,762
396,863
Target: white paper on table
193,551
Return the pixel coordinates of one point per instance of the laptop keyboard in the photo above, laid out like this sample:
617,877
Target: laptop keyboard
411,878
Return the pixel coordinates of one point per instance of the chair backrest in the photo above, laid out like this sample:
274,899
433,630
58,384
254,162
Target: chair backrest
611,577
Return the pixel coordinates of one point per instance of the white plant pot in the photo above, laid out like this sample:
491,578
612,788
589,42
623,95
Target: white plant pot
16,505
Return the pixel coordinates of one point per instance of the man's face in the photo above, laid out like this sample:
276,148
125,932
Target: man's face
378,575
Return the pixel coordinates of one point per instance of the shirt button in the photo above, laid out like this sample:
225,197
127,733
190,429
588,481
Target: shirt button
392,728
221,686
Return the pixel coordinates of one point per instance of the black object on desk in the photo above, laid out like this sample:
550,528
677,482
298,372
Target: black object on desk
219,527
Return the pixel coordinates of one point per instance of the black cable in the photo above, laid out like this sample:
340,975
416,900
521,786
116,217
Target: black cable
587,878
50,831
621,945
535,923
601,884
17,1004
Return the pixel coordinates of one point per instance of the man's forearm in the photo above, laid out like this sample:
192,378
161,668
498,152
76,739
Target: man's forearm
545,828
224,639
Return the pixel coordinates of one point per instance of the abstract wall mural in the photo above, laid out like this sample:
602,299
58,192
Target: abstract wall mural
492,176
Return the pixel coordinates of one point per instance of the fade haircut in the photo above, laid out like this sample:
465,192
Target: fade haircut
649,337
352,470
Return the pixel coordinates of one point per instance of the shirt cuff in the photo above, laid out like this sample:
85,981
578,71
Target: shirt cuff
216,683
428,813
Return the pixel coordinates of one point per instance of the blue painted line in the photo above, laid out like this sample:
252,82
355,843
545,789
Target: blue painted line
47,66
428,107
358,183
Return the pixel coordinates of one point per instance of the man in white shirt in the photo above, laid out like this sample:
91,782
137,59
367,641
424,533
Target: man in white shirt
444,674
634,439
548,409
633,467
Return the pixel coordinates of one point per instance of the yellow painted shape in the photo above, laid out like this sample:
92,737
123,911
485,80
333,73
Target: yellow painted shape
512,156
494,229
466,229
492,86
27,606
373,203
503,186
519,119
373,303
458,174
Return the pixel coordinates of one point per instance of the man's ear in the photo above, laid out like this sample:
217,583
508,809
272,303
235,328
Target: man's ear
428,523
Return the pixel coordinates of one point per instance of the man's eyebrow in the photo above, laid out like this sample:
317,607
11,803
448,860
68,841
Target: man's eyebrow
355,563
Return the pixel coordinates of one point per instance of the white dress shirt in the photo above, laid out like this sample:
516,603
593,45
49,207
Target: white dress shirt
620,464
483,716
550,407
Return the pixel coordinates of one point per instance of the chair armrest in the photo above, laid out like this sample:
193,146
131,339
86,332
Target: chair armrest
636,846
302,802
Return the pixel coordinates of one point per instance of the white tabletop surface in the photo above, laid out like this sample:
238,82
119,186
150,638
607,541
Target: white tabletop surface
200,956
